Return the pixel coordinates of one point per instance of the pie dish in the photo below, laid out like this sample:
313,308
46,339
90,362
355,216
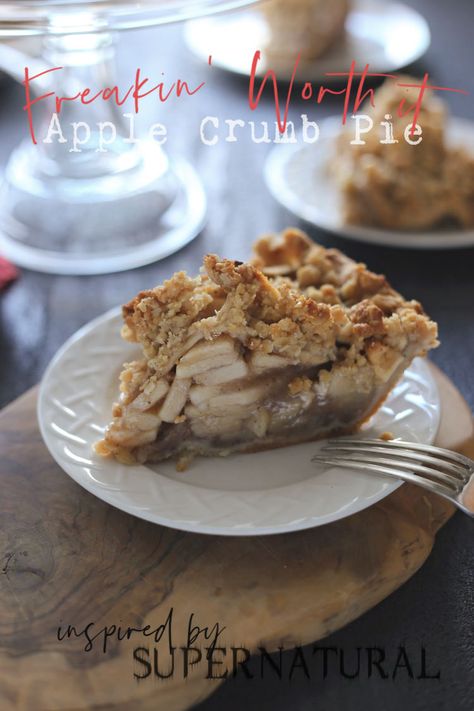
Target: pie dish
403,186
298,344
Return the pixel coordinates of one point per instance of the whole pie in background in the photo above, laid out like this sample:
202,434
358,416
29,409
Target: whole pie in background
298,344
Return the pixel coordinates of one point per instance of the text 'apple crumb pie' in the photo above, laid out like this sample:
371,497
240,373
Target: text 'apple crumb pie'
297,344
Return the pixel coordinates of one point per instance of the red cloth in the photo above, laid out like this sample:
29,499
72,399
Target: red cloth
8,273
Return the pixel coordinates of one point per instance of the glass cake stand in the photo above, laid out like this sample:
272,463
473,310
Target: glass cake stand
113,205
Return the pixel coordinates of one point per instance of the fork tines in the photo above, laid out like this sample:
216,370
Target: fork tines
450,469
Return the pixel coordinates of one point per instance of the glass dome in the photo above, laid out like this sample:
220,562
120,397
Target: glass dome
33,17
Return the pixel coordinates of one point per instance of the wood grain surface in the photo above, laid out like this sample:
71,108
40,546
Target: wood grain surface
68,558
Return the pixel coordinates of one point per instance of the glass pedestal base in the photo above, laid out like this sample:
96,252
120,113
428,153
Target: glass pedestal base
97,224
65,211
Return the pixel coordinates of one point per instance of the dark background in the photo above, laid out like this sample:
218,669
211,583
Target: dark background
38,312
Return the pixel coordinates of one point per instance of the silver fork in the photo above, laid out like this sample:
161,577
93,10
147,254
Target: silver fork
441,471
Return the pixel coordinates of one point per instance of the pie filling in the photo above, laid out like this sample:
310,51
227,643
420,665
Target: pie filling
300,344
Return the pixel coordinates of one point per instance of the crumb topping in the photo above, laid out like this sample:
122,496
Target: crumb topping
322,305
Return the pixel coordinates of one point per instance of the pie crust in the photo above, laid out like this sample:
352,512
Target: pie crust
297,344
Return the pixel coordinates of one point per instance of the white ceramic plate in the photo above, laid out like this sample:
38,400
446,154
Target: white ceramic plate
297,176
249,494
387,35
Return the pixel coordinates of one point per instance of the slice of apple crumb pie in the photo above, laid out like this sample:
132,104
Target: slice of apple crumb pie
298,344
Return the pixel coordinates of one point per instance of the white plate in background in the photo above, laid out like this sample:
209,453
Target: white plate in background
386,35
298,178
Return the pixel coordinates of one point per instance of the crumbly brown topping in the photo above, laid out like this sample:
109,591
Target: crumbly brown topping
323,304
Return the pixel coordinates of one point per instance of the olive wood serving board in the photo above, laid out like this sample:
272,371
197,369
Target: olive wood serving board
70,559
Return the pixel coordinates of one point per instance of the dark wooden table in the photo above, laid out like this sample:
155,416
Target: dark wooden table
435,608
